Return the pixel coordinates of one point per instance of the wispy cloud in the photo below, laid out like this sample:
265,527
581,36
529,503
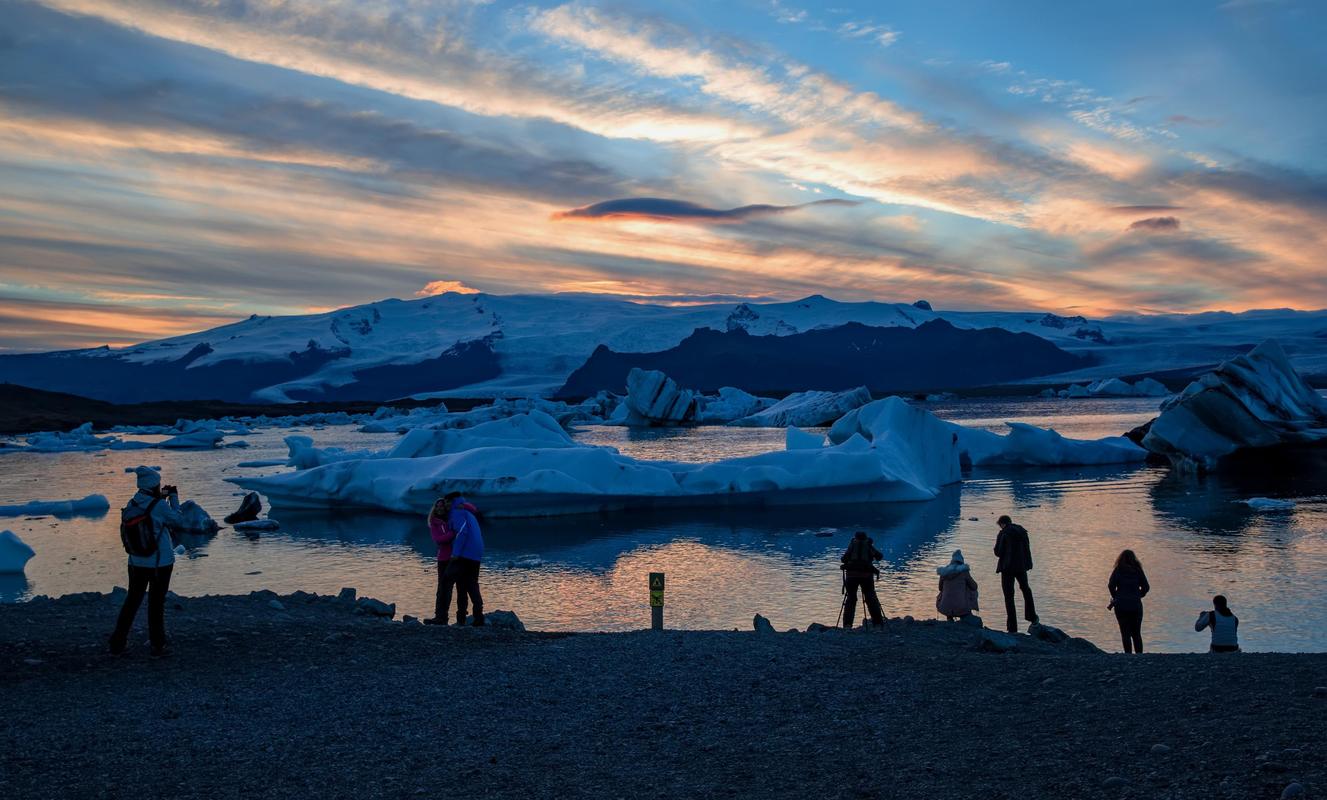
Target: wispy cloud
666,210
1155,224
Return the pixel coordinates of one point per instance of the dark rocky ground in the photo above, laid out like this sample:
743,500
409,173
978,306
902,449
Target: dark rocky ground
313,701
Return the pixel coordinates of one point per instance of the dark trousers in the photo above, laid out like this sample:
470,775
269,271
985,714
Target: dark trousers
867,585
154,582
1029,608
1131,629
464,573
443,603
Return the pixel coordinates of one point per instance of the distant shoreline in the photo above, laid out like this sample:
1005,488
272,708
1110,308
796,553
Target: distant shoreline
297,696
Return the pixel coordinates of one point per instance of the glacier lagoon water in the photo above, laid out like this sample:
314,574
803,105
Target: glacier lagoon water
589,572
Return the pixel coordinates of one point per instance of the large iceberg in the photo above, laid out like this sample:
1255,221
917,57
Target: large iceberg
807,409
531,429
1024,445
653,398
911,456
14,552
1252,401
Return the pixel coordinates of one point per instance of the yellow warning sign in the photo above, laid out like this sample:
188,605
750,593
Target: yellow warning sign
656,598
656,581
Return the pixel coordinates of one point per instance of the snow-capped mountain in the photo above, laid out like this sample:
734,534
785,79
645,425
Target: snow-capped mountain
504,345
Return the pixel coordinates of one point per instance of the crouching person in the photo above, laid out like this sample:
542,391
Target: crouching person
958,590
146,527
859,572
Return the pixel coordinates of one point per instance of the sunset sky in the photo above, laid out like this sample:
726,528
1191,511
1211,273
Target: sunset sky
170,165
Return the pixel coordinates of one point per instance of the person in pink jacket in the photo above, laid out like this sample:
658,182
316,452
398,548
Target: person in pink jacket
958,591
443,536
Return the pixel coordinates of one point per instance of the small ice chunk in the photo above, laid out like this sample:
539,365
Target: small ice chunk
1268,504
14,552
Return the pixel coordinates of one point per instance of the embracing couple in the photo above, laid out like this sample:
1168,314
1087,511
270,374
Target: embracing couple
455,530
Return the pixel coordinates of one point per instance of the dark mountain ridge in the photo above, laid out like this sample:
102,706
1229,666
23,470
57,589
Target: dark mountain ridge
933,356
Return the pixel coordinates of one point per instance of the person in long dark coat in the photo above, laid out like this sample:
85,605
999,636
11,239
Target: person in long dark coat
1013,552
1128,586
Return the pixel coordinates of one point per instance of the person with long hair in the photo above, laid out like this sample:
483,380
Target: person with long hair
1128,586
1224,625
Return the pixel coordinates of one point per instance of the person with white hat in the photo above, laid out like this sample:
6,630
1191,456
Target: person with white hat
146,525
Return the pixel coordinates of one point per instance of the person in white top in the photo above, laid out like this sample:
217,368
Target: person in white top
1224,625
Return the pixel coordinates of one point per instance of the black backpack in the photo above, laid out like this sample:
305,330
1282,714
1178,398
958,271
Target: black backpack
138,534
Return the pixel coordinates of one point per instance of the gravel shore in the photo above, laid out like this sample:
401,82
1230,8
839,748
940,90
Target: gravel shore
300,697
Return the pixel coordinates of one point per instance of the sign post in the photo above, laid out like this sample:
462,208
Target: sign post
656,600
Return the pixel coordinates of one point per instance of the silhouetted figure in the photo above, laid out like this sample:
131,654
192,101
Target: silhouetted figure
859,572
1224,625
443,535
958,590
467,553
1013,552
146,530
1128,586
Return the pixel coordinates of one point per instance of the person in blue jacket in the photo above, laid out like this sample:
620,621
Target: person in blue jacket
467,552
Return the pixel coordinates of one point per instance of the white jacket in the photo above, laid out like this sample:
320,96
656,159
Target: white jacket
165,516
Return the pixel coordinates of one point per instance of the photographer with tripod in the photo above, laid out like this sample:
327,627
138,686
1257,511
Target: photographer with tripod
859,572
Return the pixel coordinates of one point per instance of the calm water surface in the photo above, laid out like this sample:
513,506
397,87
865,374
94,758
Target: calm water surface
589,572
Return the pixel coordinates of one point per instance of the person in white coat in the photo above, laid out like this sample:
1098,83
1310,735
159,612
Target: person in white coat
157,507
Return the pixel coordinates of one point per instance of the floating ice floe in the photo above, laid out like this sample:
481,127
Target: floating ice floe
731,404
797,439
14,552
1251,402
1026,445
258,526
807,409
654,399
195,519
1268,504
1112,387
92,505
531,429
913,454
268,462
202,435
592,410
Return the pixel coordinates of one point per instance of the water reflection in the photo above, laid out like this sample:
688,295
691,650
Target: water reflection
13,587
597,541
